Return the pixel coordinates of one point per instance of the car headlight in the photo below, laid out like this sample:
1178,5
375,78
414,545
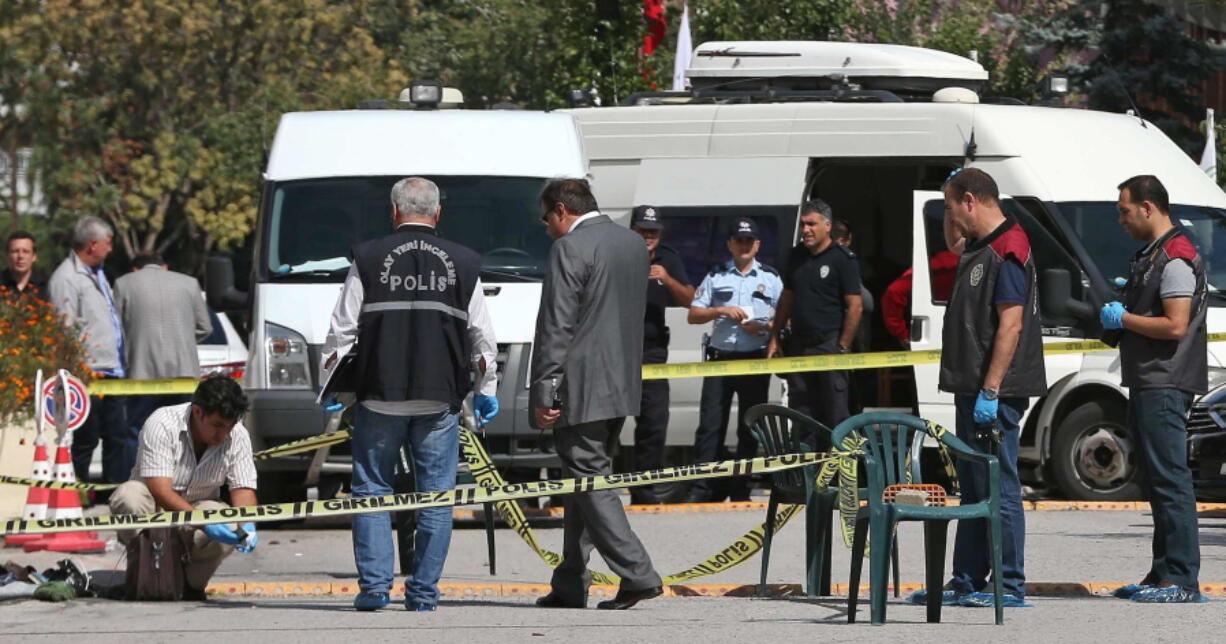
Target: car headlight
1217,377
289,367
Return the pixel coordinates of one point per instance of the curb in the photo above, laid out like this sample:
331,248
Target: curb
466,514
472,590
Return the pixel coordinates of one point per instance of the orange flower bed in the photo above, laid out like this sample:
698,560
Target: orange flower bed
33,336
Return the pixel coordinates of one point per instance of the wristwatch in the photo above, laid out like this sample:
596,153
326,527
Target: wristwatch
990,393
843,349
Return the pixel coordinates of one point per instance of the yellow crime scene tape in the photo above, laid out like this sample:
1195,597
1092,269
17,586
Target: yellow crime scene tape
55,485
842,361
418,500
124,387
495,489
794,364
481,466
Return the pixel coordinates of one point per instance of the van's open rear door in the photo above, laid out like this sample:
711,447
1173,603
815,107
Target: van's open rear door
928,305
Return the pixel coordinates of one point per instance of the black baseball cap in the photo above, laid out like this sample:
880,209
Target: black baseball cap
744,227
646,217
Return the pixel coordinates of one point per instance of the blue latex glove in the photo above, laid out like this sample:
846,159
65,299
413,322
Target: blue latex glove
221,533
330,405
486,408
251,541
1112,316
985,410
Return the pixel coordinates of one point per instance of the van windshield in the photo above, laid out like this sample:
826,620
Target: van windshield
1096,224
313,224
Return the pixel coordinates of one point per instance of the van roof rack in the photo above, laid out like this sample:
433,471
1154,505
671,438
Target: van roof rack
885,66
768,95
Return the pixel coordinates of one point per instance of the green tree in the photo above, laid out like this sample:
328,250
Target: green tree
162,126
1146,53
28,68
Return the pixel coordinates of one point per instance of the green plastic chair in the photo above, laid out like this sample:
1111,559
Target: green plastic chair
780,430
886,440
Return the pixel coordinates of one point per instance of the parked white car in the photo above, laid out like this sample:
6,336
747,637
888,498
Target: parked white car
224,351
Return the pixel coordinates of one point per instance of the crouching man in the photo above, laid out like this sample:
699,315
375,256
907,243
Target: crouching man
187,452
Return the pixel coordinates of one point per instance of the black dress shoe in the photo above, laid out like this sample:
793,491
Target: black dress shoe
627,598
553,600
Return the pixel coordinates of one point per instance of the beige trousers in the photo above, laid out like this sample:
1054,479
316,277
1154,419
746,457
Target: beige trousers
134,497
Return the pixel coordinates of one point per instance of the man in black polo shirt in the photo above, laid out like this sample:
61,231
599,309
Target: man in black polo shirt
821,300
18,277
667,285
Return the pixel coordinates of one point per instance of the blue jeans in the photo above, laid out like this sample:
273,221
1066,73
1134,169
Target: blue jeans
972,559
108,422
434,442
1158,419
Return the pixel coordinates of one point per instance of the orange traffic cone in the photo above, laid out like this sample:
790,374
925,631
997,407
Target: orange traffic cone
65,504
36,497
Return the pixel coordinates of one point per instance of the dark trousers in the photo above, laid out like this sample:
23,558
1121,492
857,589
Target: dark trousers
651,427
108,423
596,519
715,407
141,407
820,395
972,558
1158,421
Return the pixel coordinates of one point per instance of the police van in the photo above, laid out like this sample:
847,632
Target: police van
875,130
326,188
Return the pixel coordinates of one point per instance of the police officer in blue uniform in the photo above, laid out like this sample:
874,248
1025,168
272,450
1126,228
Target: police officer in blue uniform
740,296
667,285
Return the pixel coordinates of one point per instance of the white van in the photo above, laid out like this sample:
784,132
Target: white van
327,188
875,130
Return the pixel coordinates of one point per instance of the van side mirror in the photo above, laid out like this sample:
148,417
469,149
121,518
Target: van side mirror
1057,302
219,285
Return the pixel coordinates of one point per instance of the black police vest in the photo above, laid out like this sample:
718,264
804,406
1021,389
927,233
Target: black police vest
1149,362
971,319
413,329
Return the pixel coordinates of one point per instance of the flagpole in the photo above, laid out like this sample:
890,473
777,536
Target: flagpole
685,49
1208,158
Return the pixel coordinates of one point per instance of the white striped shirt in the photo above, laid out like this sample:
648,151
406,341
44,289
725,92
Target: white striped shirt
166,451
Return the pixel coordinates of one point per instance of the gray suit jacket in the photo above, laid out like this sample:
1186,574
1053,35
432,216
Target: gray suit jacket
79,297
163,316
589,330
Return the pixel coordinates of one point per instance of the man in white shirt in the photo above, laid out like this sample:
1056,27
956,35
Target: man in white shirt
186,453
412,314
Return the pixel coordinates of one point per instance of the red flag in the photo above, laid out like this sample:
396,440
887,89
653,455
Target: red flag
653,13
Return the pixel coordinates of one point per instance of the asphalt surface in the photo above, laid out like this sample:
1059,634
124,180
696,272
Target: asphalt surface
711,620
1061,547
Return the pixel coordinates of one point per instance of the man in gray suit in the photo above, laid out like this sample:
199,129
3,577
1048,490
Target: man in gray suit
163,316
586,379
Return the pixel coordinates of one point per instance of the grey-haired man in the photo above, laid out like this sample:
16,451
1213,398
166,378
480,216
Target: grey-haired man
80,290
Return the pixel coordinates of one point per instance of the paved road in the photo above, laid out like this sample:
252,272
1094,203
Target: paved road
1061,546
711,620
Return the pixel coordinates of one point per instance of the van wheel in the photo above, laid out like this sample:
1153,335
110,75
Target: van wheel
1094,456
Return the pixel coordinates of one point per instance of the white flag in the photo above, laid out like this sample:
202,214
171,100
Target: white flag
685,49
1208,158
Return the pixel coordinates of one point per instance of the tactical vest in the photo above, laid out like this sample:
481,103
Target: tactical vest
971,319
413,328
1149,362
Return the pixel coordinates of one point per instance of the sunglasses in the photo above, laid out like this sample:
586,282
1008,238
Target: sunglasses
953,174
545,216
